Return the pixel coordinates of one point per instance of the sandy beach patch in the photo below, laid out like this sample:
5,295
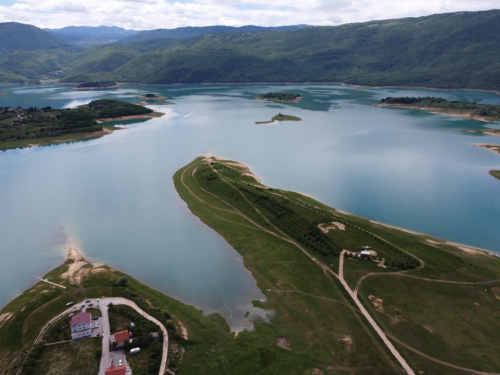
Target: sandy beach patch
493,133
494,148
4,318
436,111
467,249
74,254
245,171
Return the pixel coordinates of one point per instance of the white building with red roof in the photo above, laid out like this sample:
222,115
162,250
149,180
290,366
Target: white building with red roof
119,337
80,325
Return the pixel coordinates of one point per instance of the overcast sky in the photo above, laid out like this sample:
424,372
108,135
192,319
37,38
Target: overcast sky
155,14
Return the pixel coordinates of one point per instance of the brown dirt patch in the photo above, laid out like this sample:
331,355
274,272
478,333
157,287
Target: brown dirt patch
4,318
98,270
348,341
395,319
74,254
74,272
377,303
325,228
494,148
496,291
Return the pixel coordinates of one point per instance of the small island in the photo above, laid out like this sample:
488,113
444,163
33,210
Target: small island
280,97
96,85
279,117
27,127
151,97
472,110
494,148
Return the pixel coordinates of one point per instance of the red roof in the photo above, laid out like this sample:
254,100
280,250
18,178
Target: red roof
80,318
118,370
121,336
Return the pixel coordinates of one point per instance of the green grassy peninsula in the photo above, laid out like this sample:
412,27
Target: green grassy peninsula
323,272
437,303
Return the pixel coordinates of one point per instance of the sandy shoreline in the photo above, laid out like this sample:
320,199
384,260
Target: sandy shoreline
416,87
246,171
285,83
430,239
96,134
124,118
491,147
436,111
97,88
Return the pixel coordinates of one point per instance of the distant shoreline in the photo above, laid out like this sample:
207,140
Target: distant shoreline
366,87
96,88
435,110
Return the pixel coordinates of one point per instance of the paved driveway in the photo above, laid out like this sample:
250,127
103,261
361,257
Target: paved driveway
106,356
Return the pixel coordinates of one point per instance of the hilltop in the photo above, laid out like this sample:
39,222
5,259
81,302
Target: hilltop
16,36
190,32
89,36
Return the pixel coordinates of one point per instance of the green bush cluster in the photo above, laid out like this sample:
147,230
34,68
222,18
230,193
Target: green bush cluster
32,360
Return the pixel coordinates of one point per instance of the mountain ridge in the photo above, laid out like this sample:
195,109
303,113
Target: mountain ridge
452,50
15,36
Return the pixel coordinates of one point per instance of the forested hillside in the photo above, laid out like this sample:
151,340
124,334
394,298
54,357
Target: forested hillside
190,32
20,37
455,50
88,36
447,50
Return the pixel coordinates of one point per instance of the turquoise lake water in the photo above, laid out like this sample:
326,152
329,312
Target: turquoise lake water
113,197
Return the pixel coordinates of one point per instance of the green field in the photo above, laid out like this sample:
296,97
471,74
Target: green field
437,303
80,357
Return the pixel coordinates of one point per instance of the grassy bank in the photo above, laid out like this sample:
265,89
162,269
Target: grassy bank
74,358
264,225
